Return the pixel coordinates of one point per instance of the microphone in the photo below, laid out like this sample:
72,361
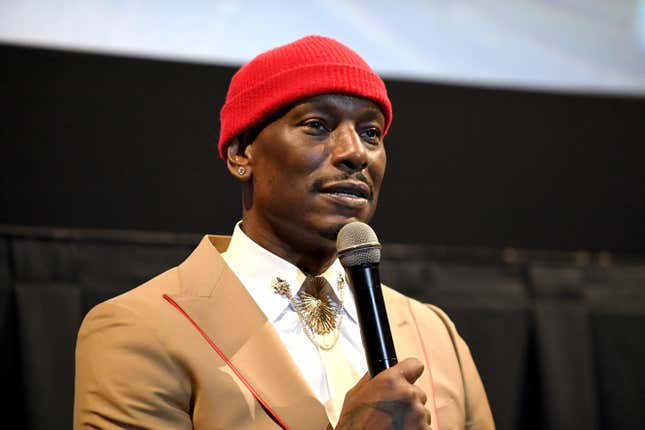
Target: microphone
360,253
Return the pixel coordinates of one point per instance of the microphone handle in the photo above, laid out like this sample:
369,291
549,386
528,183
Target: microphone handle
372,317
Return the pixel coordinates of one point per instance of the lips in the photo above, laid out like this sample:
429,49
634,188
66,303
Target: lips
348,189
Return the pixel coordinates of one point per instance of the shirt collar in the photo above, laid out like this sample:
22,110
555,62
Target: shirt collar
257,267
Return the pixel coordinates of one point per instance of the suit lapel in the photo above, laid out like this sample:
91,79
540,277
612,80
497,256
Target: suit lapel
407,342
216,300
403,332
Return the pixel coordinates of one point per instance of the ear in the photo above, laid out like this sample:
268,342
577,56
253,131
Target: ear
238,161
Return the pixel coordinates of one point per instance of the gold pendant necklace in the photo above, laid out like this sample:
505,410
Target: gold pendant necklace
318,317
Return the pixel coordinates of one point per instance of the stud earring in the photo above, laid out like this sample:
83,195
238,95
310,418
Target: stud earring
241,171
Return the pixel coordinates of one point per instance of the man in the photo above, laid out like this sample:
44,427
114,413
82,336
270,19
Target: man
231,340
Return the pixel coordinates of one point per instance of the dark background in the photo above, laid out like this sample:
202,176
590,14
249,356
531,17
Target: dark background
100,155
98,141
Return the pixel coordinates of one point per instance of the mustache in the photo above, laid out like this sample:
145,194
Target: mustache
358,176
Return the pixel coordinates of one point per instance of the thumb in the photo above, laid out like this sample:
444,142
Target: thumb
411,369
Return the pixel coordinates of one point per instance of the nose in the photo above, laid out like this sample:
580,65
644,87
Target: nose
349,152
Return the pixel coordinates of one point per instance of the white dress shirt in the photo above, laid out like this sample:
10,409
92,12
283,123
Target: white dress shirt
256,267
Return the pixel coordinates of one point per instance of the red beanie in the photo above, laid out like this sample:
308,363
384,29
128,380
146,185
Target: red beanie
281,76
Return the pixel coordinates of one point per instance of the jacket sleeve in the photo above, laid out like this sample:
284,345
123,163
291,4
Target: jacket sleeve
478,413
125,378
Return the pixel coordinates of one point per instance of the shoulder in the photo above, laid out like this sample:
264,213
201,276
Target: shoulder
142,298
137,324
122,350
425,314
140,313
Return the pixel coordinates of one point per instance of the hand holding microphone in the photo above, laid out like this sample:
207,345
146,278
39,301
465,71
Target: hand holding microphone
386,398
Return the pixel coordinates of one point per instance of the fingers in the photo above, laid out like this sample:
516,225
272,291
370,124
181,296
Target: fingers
411,369
390,393
418,416
420,394
401,378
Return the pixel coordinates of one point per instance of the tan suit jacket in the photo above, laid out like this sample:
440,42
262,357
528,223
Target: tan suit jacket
141,363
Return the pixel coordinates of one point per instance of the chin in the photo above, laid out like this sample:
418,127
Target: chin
331,226
331,232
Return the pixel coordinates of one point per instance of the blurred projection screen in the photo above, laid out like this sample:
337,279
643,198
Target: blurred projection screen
595,46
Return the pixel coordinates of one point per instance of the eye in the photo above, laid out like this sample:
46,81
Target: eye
372,134
315,125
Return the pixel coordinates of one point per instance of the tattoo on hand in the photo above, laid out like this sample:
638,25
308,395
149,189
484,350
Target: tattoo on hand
395,409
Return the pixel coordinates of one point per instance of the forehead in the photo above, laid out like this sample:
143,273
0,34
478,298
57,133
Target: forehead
337,103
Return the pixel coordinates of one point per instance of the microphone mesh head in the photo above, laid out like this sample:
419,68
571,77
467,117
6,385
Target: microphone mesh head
357,244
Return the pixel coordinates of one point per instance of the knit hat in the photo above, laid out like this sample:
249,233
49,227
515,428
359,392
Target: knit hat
281,76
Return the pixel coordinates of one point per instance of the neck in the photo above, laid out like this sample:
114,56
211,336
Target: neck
310,253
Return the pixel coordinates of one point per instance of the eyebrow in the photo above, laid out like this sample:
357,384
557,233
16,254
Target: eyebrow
370,111
374,112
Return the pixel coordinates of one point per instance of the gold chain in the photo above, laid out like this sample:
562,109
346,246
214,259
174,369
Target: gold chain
282,287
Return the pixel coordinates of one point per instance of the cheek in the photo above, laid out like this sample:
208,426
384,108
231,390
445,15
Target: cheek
302,166
291,171
377,169
310,158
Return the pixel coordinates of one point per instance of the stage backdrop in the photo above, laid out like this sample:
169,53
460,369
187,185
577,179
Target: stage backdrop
99,141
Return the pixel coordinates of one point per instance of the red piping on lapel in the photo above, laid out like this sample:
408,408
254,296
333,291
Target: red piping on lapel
228,363
425,355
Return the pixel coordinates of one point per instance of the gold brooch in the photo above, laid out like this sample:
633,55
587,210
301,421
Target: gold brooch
319,317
